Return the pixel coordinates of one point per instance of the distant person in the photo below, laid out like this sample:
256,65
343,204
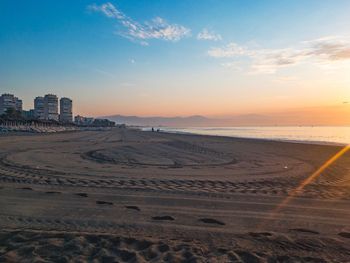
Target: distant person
152,129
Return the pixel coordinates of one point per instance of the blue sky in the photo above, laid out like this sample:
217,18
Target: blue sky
177,57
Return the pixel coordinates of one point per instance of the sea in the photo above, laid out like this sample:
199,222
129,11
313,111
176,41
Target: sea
312,134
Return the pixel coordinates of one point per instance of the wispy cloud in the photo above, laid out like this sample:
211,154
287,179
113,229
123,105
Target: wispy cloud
323,52
228,51
205,34
157,28
330,48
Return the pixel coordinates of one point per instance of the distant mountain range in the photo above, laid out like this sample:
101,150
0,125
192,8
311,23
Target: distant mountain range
190,121
334,115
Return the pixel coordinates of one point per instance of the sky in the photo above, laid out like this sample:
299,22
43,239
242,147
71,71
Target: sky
179,58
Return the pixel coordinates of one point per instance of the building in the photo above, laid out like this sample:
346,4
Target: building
103,123
51,107
39,108
83,121
86,121
66,110
28,114
9,101
19,104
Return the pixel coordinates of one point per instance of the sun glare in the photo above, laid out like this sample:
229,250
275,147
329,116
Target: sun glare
275,212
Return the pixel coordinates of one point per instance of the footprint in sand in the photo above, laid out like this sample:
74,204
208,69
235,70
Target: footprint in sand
211,221
163,218
104,203
303,230
133,207
344,234
260,234
82,194
26,188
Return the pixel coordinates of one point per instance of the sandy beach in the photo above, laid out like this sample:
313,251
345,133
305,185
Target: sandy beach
130,196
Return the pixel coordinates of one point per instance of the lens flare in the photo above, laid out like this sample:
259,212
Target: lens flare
312,177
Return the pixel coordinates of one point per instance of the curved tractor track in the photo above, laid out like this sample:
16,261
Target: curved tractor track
328,187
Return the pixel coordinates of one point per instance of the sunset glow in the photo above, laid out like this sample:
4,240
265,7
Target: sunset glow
175,59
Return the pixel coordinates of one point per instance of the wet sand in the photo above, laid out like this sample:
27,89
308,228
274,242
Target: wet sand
130,196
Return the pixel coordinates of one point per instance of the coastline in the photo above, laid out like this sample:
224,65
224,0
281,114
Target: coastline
303,141
147,129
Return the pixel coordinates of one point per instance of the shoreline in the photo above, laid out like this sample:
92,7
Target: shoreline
305,142
257,139
62,129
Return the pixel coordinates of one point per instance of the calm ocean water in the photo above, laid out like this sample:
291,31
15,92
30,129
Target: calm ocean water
303,134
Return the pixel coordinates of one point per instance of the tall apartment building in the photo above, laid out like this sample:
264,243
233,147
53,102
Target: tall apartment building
51,107
39,108
19,104
66,110
9,101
